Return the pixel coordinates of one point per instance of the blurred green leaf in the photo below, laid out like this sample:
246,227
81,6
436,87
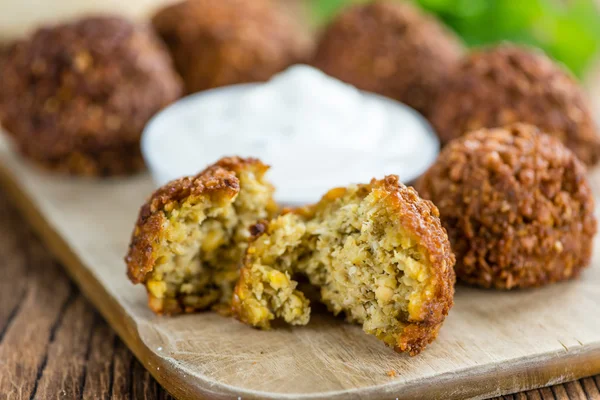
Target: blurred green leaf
568,30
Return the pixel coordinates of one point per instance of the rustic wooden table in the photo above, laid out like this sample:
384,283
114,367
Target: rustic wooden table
53,344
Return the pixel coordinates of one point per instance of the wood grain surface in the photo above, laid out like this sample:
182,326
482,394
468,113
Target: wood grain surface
105,369
53,344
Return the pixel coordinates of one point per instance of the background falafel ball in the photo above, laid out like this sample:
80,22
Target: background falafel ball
225,42
507,84
390,48
75,97
517,207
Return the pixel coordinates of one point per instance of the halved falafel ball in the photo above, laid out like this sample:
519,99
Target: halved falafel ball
75,97
507,84
391,48
192,233
517,207
377,253
225,42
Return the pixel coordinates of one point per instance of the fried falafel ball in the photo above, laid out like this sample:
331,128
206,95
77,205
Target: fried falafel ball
390,48
225,42
377,253
75,97
517,207
507,84
191,235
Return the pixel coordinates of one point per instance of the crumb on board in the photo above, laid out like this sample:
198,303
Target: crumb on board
391,373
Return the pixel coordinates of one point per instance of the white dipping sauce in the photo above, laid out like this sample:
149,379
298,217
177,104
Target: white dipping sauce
315,131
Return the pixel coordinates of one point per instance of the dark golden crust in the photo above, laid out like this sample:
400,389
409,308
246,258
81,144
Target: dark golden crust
420,219
507,84
517,207
75,97
219,182
225,42
417,336
390,48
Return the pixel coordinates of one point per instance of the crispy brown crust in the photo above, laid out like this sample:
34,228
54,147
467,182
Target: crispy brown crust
75,97
390,48
517,206
507,84
419,218
219,182
422,219
217,43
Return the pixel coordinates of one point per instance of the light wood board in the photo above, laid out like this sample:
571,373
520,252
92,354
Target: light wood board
492,342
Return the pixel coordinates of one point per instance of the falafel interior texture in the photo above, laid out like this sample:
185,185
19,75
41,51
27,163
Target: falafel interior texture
377,253
517,206
192,233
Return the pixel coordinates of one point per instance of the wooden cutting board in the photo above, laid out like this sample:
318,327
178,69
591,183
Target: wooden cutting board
492,343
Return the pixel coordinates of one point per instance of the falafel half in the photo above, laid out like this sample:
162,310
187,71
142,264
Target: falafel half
377,253
517,207
506,84
192,233
75,97
225,42
390,48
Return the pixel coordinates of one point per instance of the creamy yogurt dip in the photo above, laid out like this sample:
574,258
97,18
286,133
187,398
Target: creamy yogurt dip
315,131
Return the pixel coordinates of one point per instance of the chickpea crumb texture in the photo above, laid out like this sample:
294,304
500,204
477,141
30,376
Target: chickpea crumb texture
517,207
75,97
391,48
376,252
225,42
502,85
192,233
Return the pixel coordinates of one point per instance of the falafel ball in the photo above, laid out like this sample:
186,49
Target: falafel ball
192,233
225,42
75,97
377,252
507,84
517,207
390,48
